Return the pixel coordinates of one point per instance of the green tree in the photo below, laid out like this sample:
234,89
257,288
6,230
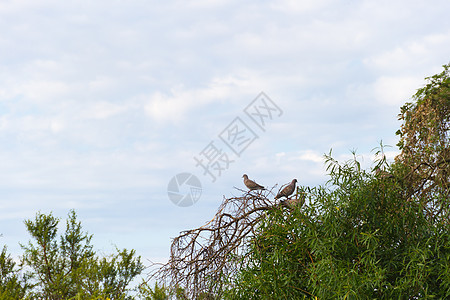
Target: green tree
424,144
155,293
66,266
12,284
358,240
365,235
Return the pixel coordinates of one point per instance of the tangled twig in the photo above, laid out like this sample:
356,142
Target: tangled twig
201,258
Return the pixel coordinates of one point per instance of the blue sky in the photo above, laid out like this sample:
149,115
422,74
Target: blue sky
103,102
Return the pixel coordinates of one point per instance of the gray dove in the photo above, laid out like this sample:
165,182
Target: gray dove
288,190
292,203
251,184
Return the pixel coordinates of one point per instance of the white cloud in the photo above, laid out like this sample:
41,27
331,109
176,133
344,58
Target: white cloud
310,155
417,54
175,107
102,83
103,109
395,91
44,91
295,7
56,126
205,3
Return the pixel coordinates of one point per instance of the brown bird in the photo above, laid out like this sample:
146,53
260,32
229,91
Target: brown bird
251,184
293,202
288,190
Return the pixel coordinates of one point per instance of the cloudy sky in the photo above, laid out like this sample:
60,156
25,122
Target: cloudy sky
103,102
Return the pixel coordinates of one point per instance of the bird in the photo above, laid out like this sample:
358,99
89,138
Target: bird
288,190
251,184
294,202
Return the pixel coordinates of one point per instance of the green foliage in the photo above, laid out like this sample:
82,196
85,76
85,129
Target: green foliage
365,236
68,268
424,142
157,293
162,292
426,120
359,239
12,285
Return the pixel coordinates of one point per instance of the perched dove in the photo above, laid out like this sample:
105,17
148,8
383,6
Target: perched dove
288,190
251,184
292,203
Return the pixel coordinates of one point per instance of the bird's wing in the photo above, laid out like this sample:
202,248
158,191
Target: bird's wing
287,191
252,185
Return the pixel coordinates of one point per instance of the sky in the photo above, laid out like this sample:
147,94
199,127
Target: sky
102,103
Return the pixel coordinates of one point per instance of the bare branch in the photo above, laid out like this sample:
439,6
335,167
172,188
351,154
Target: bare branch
200,259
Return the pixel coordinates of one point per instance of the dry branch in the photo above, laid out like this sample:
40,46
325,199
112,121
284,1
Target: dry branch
201,258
